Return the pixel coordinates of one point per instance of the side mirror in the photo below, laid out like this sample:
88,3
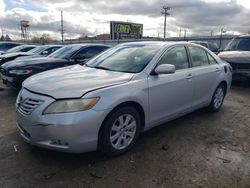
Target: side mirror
45,53
165,69
220,50
80,58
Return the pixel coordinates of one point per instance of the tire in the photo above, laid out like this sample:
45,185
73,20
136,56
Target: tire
119,131
217,99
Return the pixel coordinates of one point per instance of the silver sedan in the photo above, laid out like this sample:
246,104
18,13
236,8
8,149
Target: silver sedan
106,103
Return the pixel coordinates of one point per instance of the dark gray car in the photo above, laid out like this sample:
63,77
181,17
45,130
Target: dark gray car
237,53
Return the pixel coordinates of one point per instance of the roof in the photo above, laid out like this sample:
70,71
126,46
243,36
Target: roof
52,45
88,44
148,43
7,42
155,43
244,36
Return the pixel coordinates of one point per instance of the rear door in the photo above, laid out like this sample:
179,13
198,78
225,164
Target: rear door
205,71
171,94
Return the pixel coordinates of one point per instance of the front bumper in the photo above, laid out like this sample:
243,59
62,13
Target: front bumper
15,81
240,70
68,132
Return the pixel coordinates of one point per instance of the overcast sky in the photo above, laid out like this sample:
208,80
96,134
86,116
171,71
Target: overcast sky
92,17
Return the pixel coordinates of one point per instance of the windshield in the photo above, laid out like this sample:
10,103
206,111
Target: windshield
238,44
130,59
65,52
15,49
37,50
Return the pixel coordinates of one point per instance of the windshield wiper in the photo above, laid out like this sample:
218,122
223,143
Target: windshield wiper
100,67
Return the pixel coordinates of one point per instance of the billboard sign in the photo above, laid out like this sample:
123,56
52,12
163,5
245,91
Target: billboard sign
125,30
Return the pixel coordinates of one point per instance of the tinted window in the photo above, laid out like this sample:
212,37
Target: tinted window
65,52
176,56
199,56
15,49
52,49
213,46
211,59
241,44
90,52
204,44
37,50
26,49
4,46
10,45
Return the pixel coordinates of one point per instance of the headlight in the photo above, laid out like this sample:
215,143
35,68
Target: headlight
71,105
19,71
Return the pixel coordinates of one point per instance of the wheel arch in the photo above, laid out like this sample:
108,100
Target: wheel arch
224,83
138,107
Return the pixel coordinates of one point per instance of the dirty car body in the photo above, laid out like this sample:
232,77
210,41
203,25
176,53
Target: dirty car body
143,78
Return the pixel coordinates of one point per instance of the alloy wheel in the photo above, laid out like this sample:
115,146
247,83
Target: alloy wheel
123,131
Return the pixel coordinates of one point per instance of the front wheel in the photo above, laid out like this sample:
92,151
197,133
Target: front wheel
119,131
218,98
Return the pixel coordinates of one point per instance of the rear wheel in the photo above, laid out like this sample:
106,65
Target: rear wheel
119,131
218,98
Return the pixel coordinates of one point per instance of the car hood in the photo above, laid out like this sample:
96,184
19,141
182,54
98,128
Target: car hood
73,81
235,56
30,61
8,55
30,56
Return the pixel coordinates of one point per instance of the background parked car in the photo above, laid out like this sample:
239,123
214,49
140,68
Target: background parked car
21,48
237,53
41,51
209,45
15,72
7,45
35,52
128,89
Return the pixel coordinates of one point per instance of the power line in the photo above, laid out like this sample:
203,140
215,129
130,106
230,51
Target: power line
165,13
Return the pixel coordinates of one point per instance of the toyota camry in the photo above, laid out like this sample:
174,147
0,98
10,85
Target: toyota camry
105,104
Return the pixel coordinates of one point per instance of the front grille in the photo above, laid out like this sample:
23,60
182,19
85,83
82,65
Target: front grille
2,61
234,66
28,105
3,71
240,66
243,66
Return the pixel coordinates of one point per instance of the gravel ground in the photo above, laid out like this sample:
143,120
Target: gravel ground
199,150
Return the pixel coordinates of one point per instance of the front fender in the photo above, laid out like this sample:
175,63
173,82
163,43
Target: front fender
132,91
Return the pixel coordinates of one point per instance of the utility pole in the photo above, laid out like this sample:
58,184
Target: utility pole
165,13
185,33
212,33
180,32
221,33
62,29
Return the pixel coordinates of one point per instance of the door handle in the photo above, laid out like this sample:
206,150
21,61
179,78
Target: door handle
217,70
189,76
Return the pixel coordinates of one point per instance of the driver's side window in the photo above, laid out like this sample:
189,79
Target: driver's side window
176,56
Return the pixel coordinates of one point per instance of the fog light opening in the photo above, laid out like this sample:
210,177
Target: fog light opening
59,142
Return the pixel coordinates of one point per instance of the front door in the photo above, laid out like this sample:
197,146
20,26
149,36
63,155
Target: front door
171,94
